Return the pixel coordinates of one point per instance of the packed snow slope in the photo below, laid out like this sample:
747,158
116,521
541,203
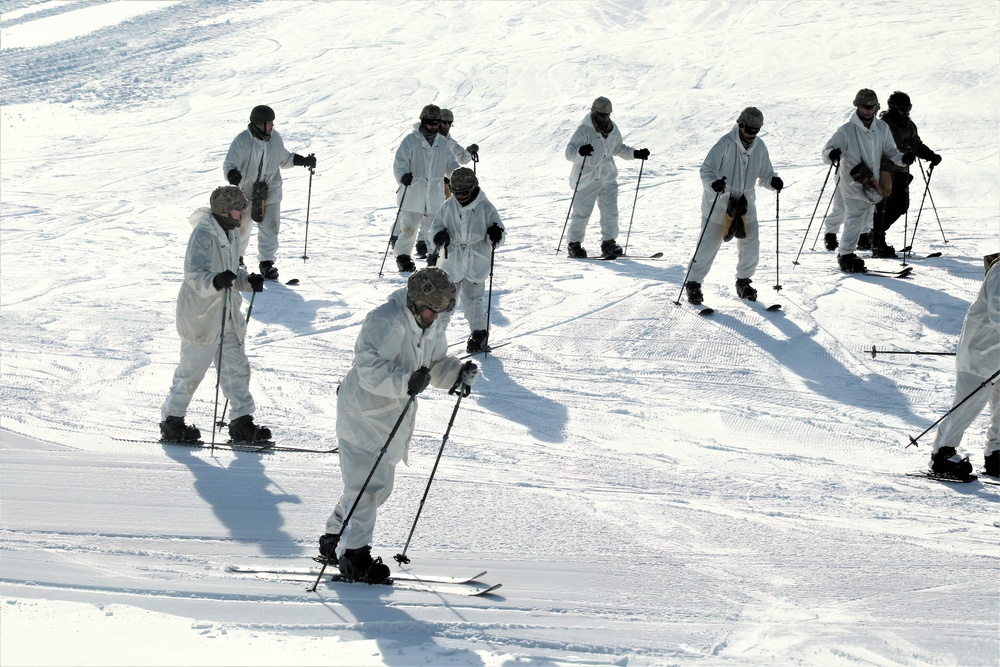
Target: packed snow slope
650,486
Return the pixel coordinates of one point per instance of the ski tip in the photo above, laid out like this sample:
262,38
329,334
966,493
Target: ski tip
774,307
657,255
705,312
933,254
293,281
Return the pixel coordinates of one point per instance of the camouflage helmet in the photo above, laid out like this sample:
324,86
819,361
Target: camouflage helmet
227,198
447,116
751,116
261,114
866,96
601,105
431,287
900,100
463,179
430,112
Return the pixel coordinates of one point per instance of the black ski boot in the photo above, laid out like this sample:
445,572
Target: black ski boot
358,565
432,259
576,250
242,429
328,547
477,341
610,248
242,265
865,242
173,429
269,270
744,291
830,239
991,464
421,250
946,461
883,251
694,293
405,264
851,263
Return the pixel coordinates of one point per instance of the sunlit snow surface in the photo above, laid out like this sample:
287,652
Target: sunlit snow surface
650,486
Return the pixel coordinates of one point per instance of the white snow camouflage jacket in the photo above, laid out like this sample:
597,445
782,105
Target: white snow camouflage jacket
468,255
199,305
744,169
979,345
858,144
601,165
372,395
429,165
244,154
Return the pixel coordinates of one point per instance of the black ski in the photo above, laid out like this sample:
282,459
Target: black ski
773,308
928,474
489,349
261,447
655,255
293,281
400,581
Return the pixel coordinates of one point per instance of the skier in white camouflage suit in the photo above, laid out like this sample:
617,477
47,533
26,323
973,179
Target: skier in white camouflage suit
258,154
736,164
463,155
592,149
977,358
467,229
859,145
211,271
422,162
400,350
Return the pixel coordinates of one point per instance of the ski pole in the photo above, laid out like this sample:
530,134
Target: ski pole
392,234
378,460
826,213
631,217
930,195
703,230
938,354
559,247
402,558
489,298
813,217
916,223
308,202
913,441
222,420
218,366
475,160
777,237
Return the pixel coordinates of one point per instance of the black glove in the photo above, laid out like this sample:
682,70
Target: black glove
641,154
392,241
909,158
442,238
418,381
834,155
406,179
494,233
256,282
586,150
719,185
466,378
224,280
308,161
473,149
777,183
234,176
935,160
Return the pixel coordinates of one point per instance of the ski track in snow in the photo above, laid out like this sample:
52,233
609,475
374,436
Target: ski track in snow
650,486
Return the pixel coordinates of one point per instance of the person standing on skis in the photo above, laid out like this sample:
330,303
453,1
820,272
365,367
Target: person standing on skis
977,358
594,178
254,161
467,229
860,146
735,165
211,271
422,162
400,350
890,209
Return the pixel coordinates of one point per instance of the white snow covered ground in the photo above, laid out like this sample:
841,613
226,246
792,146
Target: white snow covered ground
651,487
